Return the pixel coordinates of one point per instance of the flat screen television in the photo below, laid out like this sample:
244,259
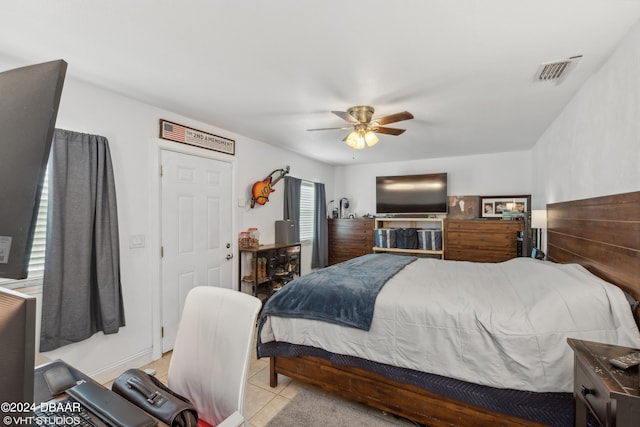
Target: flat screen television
29,99
411,194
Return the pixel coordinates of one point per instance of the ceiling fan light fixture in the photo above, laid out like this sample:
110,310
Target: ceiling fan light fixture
353,140
365,127
371,138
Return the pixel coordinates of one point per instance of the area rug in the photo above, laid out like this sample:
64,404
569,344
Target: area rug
312,409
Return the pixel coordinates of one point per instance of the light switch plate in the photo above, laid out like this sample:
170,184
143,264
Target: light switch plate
136,241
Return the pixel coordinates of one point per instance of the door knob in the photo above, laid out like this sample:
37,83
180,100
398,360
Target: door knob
229,256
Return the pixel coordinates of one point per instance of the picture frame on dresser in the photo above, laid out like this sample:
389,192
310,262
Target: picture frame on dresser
463,207
492,207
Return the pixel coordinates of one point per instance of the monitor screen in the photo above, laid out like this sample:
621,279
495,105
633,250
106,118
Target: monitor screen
17,352
29,99
412,194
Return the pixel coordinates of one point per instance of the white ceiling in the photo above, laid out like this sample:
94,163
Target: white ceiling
269,70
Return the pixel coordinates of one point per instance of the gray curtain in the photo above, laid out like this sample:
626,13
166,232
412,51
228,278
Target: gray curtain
291,208
81,289
320,251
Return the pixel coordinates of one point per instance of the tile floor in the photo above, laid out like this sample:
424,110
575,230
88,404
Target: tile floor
262,402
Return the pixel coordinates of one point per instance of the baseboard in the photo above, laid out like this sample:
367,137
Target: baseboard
109,373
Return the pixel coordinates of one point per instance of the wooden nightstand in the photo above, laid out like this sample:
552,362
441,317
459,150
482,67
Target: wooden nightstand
610,394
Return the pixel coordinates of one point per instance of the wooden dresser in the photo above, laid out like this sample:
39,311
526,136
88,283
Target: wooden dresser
481,240
350,238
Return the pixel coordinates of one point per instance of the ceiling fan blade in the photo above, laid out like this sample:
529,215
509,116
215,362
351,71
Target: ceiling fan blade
392,118
390,131
342,128
345,116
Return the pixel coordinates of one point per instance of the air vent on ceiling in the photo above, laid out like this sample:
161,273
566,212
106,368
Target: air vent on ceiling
556,70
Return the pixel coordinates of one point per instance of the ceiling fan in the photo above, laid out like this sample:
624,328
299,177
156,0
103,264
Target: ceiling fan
364,127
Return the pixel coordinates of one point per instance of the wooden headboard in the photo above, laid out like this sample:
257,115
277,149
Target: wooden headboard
602,234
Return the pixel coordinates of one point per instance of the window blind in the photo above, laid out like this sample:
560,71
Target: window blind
307,209
36,260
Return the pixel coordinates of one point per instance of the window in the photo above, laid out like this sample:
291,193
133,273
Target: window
307,209
36,261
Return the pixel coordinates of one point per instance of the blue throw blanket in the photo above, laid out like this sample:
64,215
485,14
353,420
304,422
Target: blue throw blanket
343,294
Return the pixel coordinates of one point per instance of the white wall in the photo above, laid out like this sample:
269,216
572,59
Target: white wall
132,130
258,161
482,175
593,147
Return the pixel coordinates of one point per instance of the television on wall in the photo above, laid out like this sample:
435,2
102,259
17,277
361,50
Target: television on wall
411,194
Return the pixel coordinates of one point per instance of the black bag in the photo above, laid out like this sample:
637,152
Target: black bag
148,393
407,238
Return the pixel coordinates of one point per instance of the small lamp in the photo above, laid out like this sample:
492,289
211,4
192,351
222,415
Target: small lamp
539,222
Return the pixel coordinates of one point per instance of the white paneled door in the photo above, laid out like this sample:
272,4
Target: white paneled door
196,231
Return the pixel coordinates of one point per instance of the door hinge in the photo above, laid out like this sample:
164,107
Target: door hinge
161,251
162,331
161,170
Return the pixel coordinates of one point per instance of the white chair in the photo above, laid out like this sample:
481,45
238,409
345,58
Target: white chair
210,360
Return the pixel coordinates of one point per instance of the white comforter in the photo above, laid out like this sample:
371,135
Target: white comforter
503,325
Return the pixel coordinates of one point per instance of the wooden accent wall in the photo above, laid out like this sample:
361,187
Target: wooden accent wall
602,234
350,238
481,241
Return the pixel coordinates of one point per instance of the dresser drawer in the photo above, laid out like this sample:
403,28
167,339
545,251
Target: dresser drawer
482,241
594,394
349,238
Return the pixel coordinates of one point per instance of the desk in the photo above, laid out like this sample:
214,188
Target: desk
610,394
41,390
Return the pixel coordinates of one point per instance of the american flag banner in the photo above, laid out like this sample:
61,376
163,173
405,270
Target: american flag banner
186,135
173,131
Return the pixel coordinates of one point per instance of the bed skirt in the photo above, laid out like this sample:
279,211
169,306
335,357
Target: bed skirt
555,409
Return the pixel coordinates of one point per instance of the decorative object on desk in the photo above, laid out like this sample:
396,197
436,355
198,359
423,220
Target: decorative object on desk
244,240
344,205
262,189
186,135
463,207
254,238
498,206
329,209
151,395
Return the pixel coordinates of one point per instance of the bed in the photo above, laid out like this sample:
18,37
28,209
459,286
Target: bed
525,374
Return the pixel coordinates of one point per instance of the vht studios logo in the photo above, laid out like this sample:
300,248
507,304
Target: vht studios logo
47,413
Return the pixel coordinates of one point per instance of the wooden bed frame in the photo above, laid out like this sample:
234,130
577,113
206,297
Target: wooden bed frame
603,234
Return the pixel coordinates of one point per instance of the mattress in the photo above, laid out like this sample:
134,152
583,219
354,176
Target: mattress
501,325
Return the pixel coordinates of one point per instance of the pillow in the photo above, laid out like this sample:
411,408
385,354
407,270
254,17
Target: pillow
632,302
